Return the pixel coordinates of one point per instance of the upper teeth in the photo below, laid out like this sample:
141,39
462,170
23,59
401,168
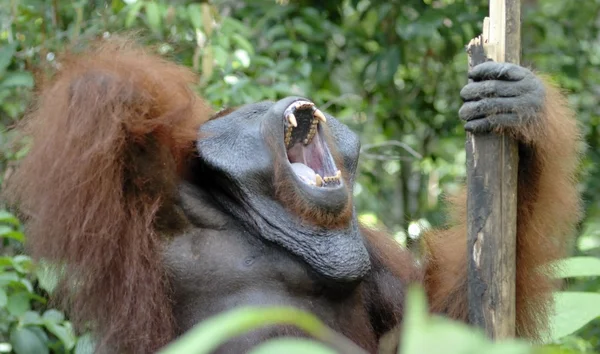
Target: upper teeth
318,116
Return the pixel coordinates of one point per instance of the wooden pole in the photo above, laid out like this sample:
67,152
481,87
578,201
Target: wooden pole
492,162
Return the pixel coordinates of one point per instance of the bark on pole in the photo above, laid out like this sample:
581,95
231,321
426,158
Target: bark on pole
492,162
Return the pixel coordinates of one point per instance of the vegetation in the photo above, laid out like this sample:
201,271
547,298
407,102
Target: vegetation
391,70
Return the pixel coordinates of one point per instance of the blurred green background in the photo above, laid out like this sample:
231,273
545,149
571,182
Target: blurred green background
391,70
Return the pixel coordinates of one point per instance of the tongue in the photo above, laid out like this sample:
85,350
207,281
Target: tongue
304,172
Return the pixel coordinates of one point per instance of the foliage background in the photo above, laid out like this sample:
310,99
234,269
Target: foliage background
391,70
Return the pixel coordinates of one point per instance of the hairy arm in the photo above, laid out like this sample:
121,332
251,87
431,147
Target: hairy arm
393,269
509,99
109,133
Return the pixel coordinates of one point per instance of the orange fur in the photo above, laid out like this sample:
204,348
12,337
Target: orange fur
548,210
110,137
384,250
108,134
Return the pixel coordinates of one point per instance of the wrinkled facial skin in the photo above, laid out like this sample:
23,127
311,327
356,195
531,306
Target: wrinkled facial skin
288,180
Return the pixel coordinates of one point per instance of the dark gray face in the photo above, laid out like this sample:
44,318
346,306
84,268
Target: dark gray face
285,171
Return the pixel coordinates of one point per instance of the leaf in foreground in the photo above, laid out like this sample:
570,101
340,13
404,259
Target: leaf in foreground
210,334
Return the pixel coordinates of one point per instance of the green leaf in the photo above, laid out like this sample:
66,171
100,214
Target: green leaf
53,315
578,267
31,318
210,334
3,298
8,218
425,334
133,13
48,276
292,346
153,16
6,262
18,303
9,232
195,14
63,333
9,278
26,341
5,230
17,79
6,54
573,311
22,263
85,345
243,43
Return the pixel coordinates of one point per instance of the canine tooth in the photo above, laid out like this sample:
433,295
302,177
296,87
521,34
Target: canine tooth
305,141
292,119
318,180
338,174
319,115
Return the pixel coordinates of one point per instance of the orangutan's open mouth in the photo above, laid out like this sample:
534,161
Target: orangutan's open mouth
307,149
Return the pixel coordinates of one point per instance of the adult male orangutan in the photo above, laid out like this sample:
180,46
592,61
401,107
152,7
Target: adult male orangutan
165,214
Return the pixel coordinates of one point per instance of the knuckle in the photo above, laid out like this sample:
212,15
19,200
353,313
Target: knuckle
490,87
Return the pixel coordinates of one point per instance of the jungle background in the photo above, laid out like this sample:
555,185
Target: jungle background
391,70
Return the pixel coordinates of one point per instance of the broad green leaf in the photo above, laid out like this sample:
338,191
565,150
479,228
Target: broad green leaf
22,263
3,298
117,5
8,218
153,16
26,341
422,333
7,278
6,262
6,54
39,331
578,267
18,303
133,13
53,315
242,42
210,334
5,230
85,345
9,232
64,333
292,346
195,14
48,276
17,79
415,320
573,311
31,318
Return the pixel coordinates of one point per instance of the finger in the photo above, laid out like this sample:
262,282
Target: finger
523,105
498,71
484,108
486,125
495,88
